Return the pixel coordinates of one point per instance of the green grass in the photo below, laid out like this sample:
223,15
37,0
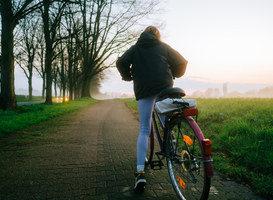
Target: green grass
241,131
29,115
132,105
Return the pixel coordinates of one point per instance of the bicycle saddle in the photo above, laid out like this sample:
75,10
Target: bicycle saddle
171,93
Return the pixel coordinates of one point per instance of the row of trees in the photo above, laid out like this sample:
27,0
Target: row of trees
68,42
209,93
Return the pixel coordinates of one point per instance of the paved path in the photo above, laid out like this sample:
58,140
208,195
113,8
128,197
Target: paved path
92,156
34,102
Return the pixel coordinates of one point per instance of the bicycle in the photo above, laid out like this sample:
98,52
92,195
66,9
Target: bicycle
181,142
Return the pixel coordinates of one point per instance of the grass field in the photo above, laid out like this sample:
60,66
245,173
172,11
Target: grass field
241,131
26,116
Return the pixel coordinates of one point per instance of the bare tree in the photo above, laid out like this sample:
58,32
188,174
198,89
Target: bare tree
40,59
63,67
11,13
106,30
59,70
51,13
72,48
28,49
101,29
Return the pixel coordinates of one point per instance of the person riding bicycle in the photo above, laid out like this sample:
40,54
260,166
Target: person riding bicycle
152,65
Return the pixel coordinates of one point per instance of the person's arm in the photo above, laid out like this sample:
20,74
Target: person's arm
178,63
124,65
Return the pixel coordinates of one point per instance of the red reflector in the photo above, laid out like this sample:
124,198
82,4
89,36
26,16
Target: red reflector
190,112
207,146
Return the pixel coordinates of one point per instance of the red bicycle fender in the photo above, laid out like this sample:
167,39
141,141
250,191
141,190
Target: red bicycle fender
200,137
208,167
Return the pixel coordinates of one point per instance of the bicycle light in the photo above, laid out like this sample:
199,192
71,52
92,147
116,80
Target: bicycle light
207,146
190,112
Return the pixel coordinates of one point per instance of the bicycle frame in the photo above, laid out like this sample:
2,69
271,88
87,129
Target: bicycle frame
157,131
162,142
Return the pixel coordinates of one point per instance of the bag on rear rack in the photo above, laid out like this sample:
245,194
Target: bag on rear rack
167,106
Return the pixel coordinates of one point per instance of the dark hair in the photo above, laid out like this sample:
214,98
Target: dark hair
153,30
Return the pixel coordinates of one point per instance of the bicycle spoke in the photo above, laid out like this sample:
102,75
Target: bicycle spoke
185,162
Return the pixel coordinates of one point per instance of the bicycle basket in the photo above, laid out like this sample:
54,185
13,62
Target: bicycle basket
167,106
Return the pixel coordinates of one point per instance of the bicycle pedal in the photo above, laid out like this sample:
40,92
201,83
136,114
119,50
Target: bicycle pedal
155,164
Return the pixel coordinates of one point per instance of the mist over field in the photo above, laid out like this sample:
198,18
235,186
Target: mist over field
194,87
114,87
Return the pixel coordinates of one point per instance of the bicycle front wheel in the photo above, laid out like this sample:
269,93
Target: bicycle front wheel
185,161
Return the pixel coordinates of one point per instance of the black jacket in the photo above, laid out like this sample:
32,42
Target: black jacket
151,64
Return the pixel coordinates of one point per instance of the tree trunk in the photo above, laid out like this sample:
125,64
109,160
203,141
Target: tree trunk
48,78
70,77
43,89
70,62
86,88
43,72
55,89
7,99
77,90
30,85
63,81
60,92
48,57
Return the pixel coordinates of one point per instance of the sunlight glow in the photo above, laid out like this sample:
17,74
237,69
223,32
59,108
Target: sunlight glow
224,41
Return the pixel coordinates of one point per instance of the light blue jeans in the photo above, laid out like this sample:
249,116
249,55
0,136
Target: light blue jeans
145,109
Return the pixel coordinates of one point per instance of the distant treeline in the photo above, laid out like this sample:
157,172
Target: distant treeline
216,93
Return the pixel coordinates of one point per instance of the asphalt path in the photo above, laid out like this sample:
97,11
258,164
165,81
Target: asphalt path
34,102
29,103
88,154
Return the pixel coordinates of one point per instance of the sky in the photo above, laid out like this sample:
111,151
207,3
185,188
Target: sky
224,41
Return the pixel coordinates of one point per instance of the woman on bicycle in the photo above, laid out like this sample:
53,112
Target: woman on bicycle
152,65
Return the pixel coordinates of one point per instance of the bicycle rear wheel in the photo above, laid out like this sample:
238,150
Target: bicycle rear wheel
185,161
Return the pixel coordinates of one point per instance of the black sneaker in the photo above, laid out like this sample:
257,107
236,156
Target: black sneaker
140,181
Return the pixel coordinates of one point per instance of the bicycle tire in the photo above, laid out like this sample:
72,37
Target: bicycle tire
187,182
